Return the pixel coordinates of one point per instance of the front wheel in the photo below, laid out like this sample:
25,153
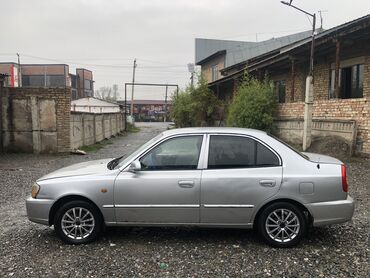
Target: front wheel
282,224
78,222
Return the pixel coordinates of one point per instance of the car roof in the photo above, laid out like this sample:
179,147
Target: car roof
230,130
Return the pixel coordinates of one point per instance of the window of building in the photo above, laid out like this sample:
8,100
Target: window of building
227,152
214,70
351,81
43,81
180,153
280,89
87,84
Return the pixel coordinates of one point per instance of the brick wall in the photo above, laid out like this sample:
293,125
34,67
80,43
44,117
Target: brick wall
207,67
343,109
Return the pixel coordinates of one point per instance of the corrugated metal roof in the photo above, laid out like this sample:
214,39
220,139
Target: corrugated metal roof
239,51
207,47
236,56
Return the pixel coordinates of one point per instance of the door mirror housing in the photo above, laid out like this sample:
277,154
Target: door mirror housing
135,166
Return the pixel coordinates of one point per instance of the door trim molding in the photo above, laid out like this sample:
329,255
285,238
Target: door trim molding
227,206
154,206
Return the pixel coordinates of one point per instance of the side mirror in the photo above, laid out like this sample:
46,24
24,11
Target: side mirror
135,166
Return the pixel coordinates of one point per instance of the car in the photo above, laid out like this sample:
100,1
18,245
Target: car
204,177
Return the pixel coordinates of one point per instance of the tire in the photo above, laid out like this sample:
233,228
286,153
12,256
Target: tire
78,222
282,225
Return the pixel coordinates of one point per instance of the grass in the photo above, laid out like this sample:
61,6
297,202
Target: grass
132,128
97,146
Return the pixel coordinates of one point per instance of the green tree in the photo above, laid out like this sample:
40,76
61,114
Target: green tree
254,105
195,106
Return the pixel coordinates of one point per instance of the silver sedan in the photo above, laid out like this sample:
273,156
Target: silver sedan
206,177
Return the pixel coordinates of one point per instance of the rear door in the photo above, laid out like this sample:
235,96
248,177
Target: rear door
241,173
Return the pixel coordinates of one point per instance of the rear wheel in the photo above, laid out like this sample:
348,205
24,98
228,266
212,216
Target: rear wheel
78,222
282,224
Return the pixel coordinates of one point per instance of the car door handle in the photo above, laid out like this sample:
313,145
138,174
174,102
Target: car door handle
186,184
268,183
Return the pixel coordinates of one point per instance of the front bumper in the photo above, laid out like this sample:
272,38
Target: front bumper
332,212
38,210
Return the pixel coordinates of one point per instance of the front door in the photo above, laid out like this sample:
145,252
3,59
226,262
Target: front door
167,188
240,174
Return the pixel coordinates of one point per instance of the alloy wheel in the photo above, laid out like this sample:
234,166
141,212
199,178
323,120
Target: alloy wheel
282,225
77,223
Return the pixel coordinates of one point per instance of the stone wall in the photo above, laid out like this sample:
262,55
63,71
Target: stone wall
36,119
89,128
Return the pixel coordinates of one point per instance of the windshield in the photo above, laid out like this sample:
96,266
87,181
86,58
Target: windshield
290,147
119,162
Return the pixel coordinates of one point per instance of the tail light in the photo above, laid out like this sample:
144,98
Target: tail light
344,179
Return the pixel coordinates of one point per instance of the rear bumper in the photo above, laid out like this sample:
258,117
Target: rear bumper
332,212
38,210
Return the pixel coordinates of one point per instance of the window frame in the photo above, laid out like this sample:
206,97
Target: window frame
163,140
206,155
354,94
279,84
214,72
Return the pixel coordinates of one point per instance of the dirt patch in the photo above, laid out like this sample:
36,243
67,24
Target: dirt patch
332,146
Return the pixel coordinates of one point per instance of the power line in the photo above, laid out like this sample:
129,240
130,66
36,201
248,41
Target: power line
101,65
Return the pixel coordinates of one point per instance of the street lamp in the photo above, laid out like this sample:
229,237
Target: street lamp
307,125
191,70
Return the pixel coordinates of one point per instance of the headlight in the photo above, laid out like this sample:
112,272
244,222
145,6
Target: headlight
35,190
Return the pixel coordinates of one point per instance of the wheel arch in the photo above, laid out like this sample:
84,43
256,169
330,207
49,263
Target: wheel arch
299,205
70,198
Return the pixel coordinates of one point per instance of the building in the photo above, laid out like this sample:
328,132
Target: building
85,83
150,110
341,78
49,76
45,75
217,56
94,105
11,70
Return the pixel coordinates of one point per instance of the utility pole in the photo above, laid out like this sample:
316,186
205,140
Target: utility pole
165,105
19,72
2,80
132,89
191,70
321,18
308,107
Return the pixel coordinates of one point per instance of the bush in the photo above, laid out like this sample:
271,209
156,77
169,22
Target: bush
181,111
254,105
196,106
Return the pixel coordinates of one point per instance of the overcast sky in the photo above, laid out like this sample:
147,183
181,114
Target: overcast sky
106,35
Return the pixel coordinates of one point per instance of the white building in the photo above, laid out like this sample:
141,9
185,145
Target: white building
94,105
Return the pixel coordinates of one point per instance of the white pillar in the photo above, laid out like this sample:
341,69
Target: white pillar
308,109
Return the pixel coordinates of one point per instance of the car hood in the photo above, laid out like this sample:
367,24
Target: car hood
320,158
85,168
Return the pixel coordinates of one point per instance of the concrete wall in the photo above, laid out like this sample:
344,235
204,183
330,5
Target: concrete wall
39,120
291,130
36,119
89,128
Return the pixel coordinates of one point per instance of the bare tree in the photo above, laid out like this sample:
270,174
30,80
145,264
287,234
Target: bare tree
104,93
107,93
115,91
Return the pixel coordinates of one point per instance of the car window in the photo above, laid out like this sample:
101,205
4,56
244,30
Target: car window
180,153
126,158
227,151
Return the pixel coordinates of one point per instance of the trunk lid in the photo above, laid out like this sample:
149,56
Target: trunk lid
320,158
